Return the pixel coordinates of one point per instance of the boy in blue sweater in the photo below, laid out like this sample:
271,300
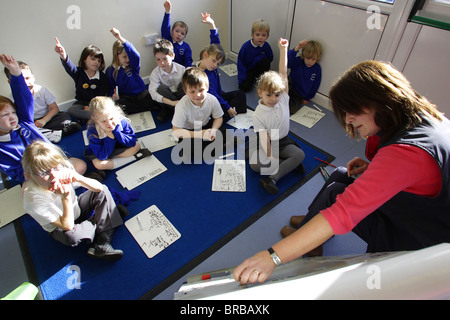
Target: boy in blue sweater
306,73
255,56
183,52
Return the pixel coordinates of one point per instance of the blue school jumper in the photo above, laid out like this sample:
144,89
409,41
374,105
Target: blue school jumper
214,79
103,147
183,52
249,56
12,145
306,81
128,79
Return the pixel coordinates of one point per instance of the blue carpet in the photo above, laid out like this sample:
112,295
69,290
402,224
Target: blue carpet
206,220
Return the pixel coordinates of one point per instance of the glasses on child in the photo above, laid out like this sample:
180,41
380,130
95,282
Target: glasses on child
46,173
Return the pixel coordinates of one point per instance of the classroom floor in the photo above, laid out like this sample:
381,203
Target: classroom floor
326,134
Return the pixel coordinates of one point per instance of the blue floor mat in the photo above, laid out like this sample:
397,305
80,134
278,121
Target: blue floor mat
206,220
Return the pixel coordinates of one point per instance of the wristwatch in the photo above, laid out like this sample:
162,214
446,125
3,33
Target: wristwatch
276,259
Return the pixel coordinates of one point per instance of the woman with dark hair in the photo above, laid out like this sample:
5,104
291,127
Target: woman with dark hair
401,199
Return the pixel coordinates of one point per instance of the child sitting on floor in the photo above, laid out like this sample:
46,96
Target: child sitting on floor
112,141
255,56
49,197
90,80
165,80
305,75
53,124
212,56
277,154
128,88
17,128
183,52
198,115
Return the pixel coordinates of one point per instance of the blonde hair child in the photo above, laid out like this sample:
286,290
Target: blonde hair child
306,74
50,198
271,122
112,141
211,57
127,87
255,56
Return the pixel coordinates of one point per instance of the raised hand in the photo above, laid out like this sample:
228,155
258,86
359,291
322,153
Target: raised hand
59,49
11,64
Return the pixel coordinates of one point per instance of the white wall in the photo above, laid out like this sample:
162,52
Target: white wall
29,27
423,57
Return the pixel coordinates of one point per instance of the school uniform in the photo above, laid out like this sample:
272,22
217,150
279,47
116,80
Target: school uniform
252,61
304,81
86,88
233,99
13,144
103,147
166,85
194,118
133,93
94,213
276,121
182,50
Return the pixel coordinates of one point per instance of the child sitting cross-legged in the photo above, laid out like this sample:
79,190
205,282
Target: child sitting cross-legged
112,141
49,197
198,115
278,154
165,80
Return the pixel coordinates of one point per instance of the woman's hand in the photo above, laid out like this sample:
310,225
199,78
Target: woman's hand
255,269
356,166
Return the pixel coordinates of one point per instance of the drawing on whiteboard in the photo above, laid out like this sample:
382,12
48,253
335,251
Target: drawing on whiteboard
229,176
152,231
307,116
142,121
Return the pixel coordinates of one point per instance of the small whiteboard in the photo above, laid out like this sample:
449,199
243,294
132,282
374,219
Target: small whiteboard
229,176
142,121
307,116
152,231
242,120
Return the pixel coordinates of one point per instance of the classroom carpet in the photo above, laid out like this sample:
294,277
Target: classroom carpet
206,220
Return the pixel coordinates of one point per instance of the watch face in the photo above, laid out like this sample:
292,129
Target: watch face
276,259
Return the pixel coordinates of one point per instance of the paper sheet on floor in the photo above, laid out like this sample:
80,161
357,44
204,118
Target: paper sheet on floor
140,172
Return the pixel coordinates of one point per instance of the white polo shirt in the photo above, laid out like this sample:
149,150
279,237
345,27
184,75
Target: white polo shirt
189,116
42,99
46,207
276,117
159,77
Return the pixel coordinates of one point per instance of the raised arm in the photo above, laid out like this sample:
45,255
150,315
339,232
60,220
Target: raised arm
283,45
